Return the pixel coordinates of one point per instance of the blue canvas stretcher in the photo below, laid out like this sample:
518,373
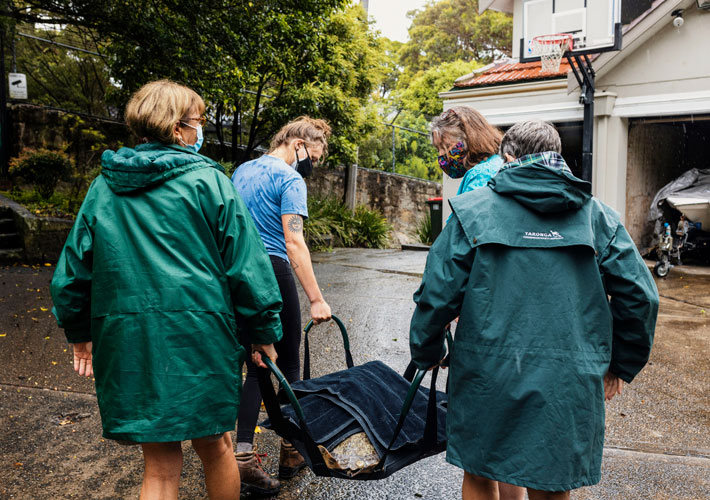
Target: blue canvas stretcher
402,421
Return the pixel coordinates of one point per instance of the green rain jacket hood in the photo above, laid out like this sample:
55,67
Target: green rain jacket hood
542,189
527,264
148,165
162,260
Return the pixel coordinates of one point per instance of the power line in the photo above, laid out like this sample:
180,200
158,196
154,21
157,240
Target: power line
407,129
59,44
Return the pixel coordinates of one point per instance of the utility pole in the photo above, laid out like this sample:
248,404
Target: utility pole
584,73
351,183
365,5
4,136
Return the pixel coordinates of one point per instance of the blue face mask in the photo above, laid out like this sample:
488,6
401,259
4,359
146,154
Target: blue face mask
200,138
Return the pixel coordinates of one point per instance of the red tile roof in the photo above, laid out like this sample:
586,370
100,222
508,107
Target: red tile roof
509,72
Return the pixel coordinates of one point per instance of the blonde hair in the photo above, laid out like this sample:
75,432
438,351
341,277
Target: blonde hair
311,130
155,109
467,125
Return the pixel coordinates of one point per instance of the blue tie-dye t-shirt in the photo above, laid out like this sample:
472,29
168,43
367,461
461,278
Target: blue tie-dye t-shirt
271,188
479,175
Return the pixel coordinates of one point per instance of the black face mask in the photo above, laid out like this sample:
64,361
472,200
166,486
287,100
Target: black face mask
304,166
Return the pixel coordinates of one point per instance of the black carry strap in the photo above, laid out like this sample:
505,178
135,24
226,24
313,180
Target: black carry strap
307,348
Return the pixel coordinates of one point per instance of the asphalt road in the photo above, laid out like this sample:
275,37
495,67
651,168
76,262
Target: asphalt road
658,431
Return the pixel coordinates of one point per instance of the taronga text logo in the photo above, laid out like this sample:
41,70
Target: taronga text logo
550,235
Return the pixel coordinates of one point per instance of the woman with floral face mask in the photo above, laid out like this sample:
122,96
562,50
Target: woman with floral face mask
468,147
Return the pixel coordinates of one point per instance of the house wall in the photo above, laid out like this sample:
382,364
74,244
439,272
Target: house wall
672,65
662,71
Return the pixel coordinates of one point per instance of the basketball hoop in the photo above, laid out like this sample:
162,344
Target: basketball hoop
551,48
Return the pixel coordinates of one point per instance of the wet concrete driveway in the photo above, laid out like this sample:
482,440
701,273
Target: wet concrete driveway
658,431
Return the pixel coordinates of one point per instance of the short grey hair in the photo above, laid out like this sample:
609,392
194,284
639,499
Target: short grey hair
526,138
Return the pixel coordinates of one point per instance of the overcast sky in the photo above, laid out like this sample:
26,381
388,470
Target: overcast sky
391,16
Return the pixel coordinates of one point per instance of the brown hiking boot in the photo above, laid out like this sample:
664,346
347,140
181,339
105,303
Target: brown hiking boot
290,461
253,478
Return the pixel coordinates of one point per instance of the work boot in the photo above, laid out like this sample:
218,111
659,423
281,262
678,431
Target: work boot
253,478
290,461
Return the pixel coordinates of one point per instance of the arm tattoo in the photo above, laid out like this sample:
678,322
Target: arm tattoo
295,224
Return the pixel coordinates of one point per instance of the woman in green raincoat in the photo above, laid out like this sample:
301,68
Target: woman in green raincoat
556,309
162,257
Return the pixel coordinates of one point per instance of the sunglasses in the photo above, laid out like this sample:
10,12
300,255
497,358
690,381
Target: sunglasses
200,119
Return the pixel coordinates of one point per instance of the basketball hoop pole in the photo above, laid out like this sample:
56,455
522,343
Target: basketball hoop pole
584,73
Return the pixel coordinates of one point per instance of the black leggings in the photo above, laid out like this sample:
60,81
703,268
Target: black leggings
287,349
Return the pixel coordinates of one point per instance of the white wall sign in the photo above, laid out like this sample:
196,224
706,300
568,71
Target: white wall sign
18,86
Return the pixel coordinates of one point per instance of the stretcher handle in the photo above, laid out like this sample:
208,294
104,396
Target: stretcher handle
307,349
431,426
273,408
412,368
286,387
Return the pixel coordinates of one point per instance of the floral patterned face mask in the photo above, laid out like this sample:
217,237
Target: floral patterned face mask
452,162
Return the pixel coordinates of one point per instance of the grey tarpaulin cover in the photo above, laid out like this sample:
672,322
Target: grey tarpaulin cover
694,183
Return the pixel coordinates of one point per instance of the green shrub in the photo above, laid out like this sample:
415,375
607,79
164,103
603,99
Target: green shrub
423,230
41,168
371,228
328,224
331,223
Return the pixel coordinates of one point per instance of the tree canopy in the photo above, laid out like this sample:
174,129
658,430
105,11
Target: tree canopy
453,30
257,63
261,63
447,39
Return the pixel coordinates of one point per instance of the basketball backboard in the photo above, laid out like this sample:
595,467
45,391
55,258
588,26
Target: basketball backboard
595,25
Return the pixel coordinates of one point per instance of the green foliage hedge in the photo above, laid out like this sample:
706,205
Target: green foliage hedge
41,168
331,223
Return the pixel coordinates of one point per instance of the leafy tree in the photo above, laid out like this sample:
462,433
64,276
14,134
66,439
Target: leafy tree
448,39
421,96
257,63
451,30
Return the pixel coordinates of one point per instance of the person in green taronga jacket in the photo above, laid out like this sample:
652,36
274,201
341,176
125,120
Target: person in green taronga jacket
557,310
161,261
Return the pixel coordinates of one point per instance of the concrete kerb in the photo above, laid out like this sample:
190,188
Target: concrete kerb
42,237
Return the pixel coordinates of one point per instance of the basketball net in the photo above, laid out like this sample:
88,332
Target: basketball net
551,48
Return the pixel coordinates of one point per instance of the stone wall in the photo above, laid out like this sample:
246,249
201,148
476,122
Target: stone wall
401,199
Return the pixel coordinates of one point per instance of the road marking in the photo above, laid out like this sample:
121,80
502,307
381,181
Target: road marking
694,457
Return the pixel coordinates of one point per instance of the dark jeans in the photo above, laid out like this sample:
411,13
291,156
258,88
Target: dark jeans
287,349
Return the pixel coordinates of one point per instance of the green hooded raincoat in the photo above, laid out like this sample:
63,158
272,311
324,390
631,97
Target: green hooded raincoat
162,256
551,294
